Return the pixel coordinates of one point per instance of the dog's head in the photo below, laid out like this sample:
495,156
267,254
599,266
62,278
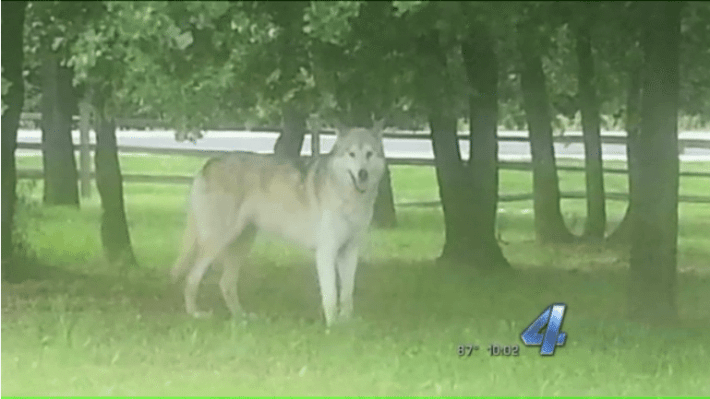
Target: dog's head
359,159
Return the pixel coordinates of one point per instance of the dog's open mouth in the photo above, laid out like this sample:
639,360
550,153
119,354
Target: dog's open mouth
357,186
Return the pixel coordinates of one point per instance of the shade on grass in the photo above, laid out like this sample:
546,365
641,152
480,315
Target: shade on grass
95,332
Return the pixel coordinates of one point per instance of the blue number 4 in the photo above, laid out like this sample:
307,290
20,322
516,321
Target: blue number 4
551,317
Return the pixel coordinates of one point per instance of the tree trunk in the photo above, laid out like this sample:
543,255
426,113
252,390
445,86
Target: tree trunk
653,274
622,233
596,207
60,175
455,189
294,56
454,185
549,225
13,18
482,70
290,141
384,215
464,245
114,228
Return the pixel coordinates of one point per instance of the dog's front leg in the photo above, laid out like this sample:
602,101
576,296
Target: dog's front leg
325,263
347,264
326,254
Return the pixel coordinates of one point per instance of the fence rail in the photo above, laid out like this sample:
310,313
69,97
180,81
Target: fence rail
85,174
504,165
38,174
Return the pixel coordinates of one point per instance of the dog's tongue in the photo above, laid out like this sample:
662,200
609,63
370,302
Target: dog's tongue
356,185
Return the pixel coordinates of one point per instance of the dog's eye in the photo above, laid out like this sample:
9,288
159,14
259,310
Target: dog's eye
352,155
369,154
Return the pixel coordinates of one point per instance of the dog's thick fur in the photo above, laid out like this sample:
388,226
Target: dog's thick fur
325,206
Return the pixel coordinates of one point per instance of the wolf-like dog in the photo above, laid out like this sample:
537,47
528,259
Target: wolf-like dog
326,205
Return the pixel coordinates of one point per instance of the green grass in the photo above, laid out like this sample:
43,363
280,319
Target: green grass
86,329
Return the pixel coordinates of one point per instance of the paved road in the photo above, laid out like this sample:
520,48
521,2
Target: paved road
395,148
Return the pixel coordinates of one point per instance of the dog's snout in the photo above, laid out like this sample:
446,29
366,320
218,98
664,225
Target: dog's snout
362,175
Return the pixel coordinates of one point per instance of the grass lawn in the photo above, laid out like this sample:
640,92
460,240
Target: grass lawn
85,329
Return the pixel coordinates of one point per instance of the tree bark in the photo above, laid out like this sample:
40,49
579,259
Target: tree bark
60,175
115,237
653,272
481,64
622,234
385,216
290,141
455,189
464,244
549,224
13,17
591,131
293,57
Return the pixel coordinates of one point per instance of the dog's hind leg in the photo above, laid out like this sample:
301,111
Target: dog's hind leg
192,282
232,258
208,252
210,249
347,264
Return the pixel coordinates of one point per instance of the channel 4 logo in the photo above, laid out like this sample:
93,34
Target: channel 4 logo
551,320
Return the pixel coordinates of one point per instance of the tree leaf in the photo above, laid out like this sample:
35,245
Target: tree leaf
184,40
57,42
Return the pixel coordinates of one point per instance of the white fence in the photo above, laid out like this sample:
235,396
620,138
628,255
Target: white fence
86,175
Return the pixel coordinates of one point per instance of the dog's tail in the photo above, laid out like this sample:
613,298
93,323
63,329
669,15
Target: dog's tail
188,250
